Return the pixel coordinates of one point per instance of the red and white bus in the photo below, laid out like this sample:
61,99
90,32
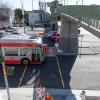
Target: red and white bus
19,49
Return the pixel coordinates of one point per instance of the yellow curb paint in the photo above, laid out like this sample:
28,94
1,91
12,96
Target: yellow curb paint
51,98
4,71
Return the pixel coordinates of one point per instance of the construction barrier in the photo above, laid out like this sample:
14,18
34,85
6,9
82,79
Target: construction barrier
42,34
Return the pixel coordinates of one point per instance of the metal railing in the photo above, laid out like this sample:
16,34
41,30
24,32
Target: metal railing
89,14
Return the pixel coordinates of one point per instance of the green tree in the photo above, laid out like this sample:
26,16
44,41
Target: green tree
19,15
53,5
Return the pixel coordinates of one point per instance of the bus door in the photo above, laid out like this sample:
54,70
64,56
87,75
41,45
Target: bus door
42,54
33,54
37,54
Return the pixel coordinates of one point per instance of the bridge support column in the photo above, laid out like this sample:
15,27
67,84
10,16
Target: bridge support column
68,42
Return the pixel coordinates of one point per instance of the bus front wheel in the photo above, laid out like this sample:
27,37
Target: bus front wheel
25,61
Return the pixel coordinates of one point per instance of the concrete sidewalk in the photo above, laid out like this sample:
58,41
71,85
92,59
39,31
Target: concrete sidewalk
57,94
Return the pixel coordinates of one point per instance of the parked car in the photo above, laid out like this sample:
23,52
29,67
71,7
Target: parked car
3,28
1,34
33,37
21,25
54,35
16,25
10,29
17,33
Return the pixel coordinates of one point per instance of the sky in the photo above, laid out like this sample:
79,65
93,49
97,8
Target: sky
28,3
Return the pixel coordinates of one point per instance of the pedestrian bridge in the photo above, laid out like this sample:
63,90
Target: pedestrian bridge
87,17
73,17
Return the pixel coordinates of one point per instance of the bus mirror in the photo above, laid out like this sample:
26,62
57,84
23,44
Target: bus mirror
46,49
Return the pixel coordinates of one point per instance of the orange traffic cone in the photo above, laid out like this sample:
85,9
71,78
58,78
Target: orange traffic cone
48,97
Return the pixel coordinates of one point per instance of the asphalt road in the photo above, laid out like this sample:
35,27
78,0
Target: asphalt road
81,72
46,74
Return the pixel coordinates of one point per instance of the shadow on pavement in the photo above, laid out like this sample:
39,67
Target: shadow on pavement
49,73
46,74
50,77
66,65
13,80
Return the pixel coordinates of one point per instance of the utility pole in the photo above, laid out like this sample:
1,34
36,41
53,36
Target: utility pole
5,75
82,2
67,2
76,2
64,2
32,23
23,14
32,5
6,80
2,13
4,67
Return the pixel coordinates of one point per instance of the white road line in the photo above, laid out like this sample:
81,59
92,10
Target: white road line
22,76
32,80
62,81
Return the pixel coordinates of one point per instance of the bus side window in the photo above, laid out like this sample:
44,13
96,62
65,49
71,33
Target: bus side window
24,51
11,51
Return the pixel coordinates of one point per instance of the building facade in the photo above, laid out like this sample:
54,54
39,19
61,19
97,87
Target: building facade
6,17
37,16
